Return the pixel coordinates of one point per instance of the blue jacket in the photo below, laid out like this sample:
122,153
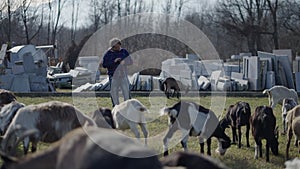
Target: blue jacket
108,62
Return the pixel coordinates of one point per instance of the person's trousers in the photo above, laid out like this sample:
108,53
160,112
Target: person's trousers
115,84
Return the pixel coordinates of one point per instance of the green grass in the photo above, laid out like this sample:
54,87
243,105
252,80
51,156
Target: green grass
234,158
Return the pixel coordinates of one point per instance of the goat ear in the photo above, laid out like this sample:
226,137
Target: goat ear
142,109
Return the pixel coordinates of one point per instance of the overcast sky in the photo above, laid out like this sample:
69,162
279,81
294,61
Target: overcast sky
191,6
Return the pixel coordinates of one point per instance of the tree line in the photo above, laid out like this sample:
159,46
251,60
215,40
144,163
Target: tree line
233,26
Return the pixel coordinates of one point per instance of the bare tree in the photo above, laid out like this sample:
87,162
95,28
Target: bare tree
246,18
291,16
179,5
167,7
119,8
29,17
273,7
127,7
9,13
95,15
56,22
74,20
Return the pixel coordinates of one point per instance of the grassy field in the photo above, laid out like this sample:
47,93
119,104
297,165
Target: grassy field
234,158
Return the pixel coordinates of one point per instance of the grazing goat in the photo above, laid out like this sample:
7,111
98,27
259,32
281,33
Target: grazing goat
52,119
238,115
276,95
88,148
194,120
127,115
7,113
103,118
293,128
6,97
263,124
287,105
192,161
170,84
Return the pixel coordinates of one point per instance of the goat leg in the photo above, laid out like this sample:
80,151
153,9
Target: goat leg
171,131
296,142
184,141
267,151
288,144
145,131
240,137
208,142
202,148
234,135
247,134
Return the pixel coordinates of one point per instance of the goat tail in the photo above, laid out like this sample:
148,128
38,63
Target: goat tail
266,91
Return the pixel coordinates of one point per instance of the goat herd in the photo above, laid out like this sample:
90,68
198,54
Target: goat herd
79,141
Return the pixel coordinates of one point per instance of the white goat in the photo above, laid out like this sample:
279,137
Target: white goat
276,95
126,115
293,127
52,119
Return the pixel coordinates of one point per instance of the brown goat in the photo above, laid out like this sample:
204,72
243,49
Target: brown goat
238,115
88,149
263,124
192,161
293,128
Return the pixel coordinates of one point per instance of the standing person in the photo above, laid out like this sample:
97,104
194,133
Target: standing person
116,60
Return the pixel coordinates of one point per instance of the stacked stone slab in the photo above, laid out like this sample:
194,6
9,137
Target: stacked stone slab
268,69
26,71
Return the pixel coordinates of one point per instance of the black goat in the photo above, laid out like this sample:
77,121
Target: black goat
238,115
263,124
170,84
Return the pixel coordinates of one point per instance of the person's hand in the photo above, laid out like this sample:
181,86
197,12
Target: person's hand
122,62
117,60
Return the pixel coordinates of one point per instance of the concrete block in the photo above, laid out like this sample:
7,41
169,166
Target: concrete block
235,75
297,75
284,52
270,79
6,81
28,63
18,69
203,83
286,64
20,84
255,84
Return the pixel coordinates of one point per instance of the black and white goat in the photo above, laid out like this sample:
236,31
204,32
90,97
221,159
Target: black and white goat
287,105
194,120
127,115
263,124
52,120
238,115
276,94
88,148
